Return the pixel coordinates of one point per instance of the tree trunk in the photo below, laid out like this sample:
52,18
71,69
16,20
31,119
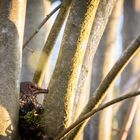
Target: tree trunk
12,14
65,78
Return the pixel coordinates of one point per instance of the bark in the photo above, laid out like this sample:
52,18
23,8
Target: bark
82,94
11,36
65,78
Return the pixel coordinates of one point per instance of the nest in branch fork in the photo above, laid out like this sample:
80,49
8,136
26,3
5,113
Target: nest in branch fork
30,110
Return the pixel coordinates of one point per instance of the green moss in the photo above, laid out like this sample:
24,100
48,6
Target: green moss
32,117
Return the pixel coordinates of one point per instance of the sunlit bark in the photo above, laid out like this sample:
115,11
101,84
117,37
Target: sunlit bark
12,15
65,78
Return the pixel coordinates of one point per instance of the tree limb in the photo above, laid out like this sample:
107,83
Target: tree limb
62,87
118,67
88,115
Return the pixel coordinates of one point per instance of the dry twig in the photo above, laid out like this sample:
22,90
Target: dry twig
40,25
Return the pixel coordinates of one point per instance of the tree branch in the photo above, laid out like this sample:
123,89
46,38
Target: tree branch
40,25
49,45
118,67
88,115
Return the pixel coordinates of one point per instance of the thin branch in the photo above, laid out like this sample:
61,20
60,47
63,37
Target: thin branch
88,115
100,92
40,25
129,86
